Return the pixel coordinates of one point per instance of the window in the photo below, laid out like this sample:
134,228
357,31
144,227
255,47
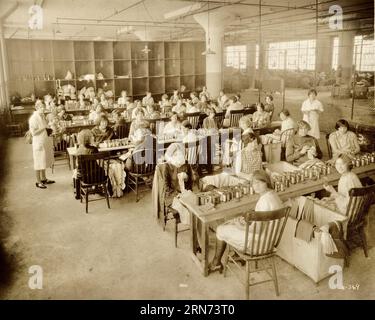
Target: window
257,56
363,54
335,52
236,57
292,55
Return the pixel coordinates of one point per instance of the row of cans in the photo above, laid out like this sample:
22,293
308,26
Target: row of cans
286,179
226,194
364,160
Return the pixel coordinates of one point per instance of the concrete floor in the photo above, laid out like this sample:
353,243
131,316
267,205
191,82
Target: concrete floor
122,253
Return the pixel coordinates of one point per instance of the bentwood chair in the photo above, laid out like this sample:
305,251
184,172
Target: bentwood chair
93,176
142,171
235,117
60,152
193,119
263,233
168,211
122,130
219,119
357,211
286,135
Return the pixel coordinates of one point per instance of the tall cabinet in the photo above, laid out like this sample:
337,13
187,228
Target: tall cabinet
39,66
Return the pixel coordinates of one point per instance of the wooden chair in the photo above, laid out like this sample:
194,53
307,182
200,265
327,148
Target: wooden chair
286,135
143,168
169,212
193,118
192,152
219,119
260,244
358,208
93,176
60,152
329,147
235,117
122,130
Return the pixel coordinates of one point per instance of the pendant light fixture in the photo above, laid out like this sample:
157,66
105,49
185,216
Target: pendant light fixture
146,50
208,50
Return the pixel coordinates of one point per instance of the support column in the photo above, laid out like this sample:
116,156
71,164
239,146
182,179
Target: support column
346,48
251,67
214,62
214,25
3,71
324,53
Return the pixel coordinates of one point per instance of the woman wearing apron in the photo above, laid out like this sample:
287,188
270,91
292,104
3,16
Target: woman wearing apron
311,108
42,146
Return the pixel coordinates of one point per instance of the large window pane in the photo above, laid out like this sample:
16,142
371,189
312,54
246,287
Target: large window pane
236,57
363,54
335,53
292,55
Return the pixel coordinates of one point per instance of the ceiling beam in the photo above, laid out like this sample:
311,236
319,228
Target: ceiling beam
9,11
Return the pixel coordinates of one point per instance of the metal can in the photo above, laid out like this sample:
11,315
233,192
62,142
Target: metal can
367,160
363,161
292,179
306,173
282,188
277,186
302,177
238,193
318,174
223,197
251,190
311,173
286,183
298,178
357,162
328,169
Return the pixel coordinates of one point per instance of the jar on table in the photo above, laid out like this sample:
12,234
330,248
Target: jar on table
357,162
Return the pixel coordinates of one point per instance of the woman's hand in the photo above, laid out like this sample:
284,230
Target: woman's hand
329,189
304,150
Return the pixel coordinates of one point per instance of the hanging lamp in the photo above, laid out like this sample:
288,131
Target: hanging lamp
208,50
146,49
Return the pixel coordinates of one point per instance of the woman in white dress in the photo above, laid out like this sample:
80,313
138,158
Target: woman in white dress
311,108
233,231
42,146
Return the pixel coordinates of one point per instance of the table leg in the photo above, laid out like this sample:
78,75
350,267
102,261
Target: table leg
202,263
205,237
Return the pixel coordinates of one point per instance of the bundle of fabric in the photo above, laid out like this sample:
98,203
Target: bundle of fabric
117,177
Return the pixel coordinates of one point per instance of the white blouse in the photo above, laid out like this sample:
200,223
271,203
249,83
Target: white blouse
347,181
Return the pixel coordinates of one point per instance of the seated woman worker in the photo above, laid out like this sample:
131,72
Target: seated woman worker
233,231
343,141
303,150
102,131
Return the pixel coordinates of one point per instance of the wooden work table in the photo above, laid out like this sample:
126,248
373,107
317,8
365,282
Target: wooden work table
236,208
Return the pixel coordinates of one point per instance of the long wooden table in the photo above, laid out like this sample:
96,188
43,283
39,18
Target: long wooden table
72,152
236,208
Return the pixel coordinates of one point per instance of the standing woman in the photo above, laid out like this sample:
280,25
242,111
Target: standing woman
42,146
311,108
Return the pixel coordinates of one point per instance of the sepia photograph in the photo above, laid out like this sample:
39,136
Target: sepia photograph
200,151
